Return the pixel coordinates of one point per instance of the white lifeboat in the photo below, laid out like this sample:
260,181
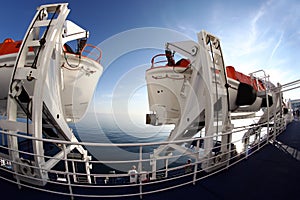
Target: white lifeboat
79,76
165,84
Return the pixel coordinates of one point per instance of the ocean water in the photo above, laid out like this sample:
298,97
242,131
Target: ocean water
104,129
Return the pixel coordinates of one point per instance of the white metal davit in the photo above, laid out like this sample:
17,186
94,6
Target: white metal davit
199,92
49,85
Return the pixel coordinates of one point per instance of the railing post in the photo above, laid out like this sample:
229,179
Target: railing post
247,147
140,170
268,116
266,79
281,121
229,152
258,133
196,162
167,164
67,171
74,171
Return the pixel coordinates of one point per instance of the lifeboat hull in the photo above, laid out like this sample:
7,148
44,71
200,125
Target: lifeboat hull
165,85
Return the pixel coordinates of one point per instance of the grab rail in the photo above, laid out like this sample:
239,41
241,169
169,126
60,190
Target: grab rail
95,53
161,61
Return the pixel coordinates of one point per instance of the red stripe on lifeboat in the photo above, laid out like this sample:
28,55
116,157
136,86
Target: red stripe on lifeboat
10,46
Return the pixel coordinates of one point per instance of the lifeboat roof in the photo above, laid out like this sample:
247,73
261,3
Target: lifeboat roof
9,46
257,84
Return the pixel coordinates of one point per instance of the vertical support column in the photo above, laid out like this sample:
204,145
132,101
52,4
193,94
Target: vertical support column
196,162
13,140
268,115
166,168
74,172
67,171
209,131
140,169
87,168
276,103
217,99
280,101
38,146
209,99
275,123
153,164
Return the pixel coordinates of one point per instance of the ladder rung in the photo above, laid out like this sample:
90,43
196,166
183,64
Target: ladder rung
51,8
43,23
33,43
216,51
216,82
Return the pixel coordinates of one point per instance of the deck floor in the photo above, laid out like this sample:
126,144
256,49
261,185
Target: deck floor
271,173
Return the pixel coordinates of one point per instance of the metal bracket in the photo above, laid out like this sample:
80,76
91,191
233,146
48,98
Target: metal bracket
28,73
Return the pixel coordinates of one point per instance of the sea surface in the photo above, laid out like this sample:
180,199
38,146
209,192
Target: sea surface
104,129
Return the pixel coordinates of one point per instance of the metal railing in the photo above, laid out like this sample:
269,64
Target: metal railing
65,180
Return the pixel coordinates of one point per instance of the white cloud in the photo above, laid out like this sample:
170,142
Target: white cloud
254,21
276,46
266,37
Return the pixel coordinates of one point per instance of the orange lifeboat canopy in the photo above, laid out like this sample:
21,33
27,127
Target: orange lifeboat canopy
238,76
9,46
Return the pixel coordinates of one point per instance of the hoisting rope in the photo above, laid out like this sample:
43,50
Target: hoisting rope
76,67
227,85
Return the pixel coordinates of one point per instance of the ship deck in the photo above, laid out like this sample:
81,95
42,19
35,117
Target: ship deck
271,173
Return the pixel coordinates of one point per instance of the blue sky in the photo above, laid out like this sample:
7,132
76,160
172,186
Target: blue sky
254,35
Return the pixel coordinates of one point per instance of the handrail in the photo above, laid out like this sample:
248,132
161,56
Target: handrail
95,54
171,175
96,51
158,55
112,144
